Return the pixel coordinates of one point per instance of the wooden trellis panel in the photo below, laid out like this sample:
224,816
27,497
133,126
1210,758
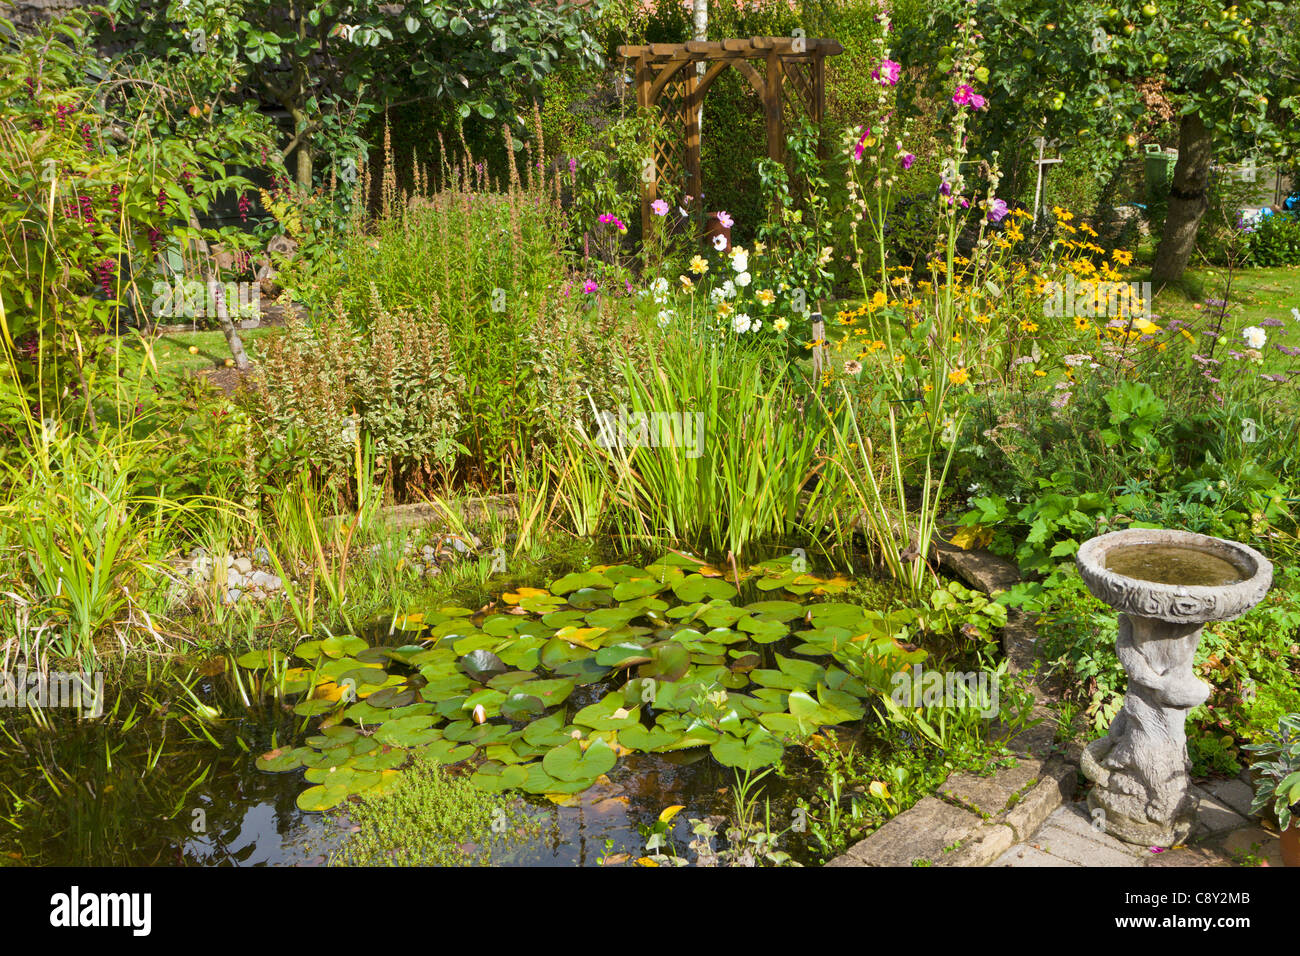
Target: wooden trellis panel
667,77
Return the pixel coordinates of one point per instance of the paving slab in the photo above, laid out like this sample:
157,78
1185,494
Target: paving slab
1023,855
1234,793
1214,816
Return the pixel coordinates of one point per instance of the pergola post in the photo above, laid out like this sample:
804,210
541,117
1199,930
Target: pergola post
661,64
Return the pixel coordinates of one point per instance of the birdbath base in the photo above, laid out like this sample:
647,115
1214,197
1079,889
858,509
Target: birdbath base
1166,586
1140,767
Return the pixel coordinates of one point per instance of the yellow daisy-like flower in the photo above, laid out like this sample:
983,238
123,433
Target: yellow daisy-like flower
699,265
1081,323
1122,257
1027,326
725,309
878,300
765,296
959,376
781,324
1039,372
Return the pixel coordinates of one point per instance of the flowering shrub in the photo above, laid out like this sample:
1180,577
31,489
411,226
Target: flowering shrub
97,179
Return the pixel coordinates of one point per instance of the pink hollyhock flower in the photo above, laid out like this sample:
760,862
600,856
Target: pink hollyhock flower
887,73
997,210
965,95
908,160
862,143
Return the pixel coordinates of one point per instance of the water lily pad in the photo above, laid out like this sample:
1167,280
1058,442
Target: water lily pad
521,706
622,655
587,598
759,749
343,645
551,691
639,737
390,758
608,713
592,580
696,587
314,707
281,759
548,731
669,662
571,763
392,697
721,615
638,587
610,618
258,660
482,665
497,778
320,798
308,650
448,751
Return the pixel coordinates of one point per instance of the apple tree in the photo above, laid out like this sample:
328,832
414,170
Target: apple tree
331,63
1078,70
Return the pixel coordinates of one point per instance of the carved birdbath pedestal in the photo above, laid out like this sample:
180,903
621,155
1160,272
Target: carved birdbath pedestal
1166,586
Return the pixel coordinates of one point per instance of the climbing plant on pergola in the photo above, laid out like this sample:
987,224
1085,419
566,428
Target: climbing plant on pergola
667,77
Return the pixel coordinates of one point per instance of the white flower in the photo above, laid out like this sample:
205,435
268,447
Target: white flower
743,279
740,261
741,323
1255,336
719,242
665,316
717,294
758,324
728,289
659,288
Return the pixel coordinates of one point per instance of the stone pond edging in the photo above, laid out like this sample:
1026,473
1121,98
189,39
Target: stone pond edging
972,820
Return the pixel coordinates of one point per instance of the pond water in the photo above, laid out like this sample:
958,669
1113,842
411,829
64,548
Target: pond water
1172,564
677,674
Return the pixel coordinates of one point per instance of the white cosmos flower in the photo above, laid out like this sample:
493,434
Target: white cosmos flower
717,294
741,323
743,279
1255,336
740,261
728,289
719,242
665,317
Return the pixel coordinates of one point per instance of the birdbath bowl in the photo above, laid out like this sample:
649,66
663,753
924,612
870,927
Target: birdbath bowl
1166,586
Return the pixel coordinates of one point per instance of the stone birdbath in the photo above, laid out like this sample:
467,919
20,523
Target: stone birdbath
1166,586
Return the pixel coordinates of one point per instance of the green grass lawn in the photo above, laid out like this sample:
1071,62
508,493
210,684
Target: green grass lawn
172,350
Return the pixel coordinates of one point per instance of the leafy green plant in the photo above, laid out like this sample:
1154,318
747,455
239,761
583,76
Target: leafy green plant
1278,779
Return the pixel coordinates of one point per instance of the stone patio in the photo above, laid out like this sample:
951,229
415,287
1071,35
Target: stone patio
1225,834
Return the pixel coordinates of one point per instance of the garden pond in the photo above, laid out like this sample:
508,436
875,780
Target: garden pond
598,701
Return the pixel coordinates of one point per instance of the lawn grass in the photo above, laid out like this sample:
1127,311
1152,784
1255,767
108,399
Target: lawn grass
172,350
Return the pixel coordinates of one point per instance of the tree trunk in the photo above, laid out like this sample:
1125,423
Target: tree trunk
1188,201
212,280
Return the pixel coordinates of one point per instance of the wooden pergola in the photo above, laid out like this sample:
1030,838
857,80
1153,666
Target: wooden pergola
667,77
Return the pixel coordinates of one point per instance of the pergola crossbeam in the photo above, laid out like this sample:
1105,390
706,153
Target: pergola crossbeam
659,65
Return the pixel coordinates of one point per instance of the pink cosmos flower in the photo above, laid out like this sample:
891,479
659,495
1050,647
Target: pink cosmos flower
726,220
589,287
659,207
